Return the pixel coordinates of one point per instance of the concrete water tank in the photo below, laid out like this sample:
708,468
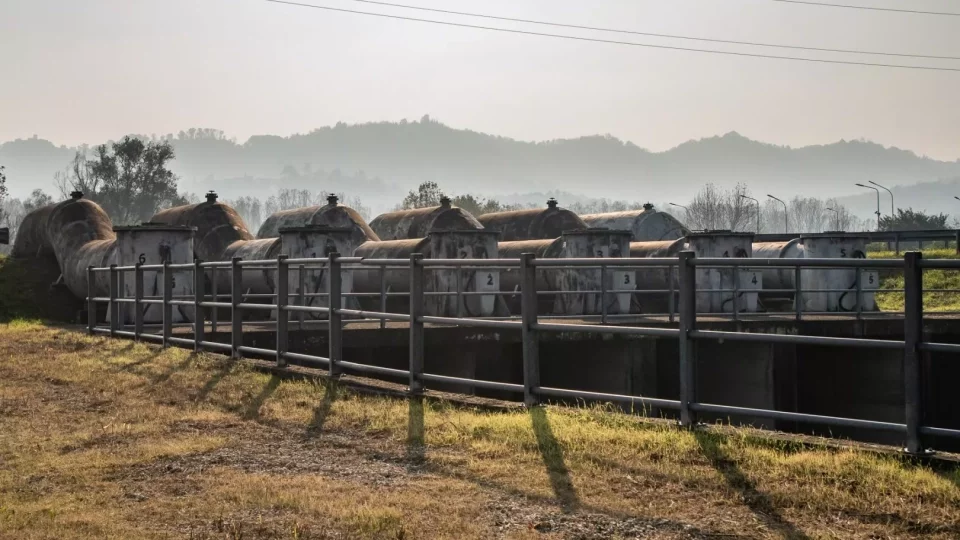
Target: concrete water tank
464,244
418,222
646,225
81,234
155,244
316,242
31,240
832,245
533,224
332,214
577,244
704,244
218,225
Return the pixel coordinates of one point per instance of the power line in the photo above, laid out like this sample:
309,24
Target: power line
651,34
869,8
614,42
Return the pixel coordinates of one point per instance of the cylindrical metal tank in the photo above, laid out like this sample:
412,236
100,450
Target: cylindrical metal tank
332,214
463,244
778,278
155,244
316,242
586,243
218,225
254,280
831,245
418,222
646,225
705,244
534,224
81,235
32,240
723,244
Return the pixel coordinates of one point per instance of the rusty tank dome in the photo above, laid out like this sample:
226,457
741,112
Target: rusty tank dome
333,214
647,225
32,240
218,225
533,224
418,222
81,235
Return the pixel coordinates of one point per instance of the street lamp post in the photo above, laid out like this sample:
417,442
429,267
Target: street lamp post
878,202
786,218
758,210
686,211
888,191
838,217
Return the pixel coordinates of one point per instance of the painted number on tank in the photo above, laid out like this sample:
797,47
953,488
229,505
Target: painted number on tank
754,279
626,279
489,279
142,258
843,252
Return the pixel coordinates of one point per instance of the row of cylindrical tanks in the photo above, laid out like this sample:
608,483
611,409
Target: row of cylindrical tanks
79,234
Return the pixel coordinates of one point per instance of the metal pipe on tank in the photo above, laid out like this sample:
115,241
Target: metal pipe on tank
317,242
254,280
462,244
778,278
32,240
534,224
81,234
418,222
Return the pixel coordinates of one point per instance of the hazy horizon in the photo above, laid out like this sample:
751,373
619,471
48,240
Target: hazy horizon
92,71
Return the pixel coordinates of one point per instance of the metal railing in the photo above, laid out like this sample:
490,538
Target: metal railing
891,237
529,322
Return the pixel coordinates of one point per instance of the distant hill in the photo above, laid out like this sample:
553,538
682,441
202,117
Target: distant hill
396,156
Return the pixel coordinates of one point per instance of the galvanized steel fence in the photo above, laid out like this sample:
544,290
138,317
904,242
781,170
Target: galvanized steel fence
528,323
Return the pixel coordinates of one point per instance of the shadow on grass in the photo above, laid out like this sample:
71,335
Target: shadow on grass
759,503
320,414
132,366
165,376
552,454
252,410
226,366
416,448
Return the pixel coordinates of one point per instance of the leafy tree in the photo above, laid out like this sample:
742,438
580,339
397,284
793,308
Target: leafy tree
130,179
913,220
3,191
37,199
427,194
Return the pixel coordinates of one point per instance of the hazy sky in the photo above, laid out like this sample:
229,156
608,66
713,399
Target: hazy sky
89,70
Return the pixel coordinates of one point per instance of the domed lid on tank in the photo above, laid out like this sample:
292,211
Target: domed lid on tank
319,229
332,214
533,223
417,222
597,230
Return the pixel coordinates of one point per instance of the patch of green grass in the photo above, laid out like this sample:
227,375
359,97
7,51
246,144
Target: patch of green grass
932,280
16,294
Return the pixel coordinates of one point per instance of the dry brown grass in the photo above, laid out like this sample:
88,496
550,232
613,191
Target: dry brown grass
108,439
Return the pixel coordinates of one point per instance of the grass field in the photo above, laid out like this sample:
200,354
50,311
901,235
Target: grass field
932,279
106,438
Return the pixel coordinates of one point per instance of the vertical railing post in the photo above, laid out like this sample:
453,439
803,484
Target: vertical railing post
91,303
859,283
335,318
603,294
283,316
688,349
896,243
912,335
957,240
198,319
416,325
236,297
671,301
530,340
216,298
114,305
301,293
459,295
138,301
167,306
736,293
383,295
798,294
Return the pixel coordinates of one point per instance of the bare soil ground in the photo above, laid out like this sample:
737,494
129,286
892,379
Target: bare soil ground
106,438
